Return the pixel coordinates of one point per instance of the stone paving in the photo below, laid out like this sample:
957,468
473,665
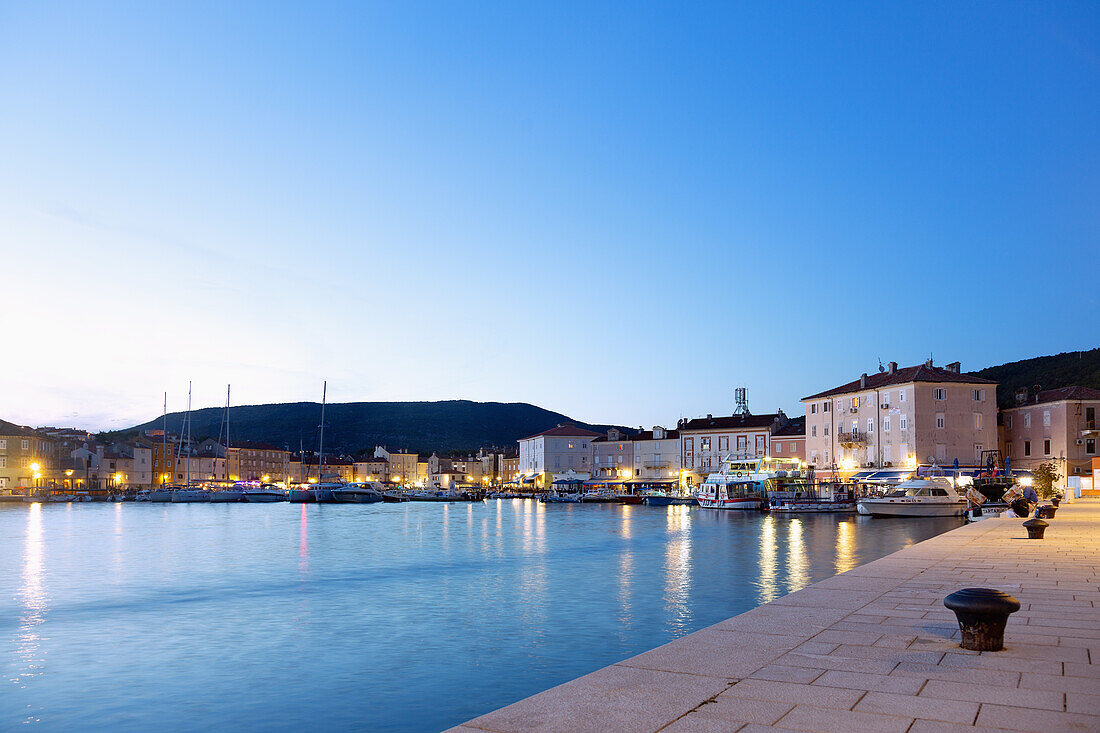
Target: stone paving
872,649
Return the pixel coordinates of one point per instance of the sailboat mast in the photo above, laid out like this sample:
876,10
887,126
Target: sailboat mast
321,442
228,443
187,466
164,441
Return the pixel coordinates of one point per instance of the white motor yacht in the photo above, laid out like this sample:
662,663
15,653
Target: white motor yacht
934,496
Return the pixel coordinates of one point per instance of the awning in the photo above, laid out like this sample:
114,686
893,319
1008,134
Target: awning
567,481
888,476
605,482
861,475
528,479
653,482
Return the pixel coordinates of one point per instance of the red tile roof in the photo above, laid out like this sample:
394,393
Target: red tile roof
796,428
731,422
571,431
1064,393
921,373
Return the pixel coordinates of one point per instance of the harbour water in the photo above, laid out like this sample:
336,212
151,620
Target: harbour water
381,617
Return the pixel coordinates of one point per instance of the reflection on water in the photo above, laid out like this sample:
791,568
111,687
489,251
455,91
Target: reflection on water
420,615
798,569
768,572
32,599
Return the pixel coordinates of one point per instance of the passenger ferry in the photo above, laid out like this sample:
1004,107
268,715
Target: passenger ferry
741,484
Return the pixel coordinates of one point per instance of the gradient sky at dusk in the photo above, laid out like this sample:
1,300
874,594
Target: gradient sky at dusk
619,212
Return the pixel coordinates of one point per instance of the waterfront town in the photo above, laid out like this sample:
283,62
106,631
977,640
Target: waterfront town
893,418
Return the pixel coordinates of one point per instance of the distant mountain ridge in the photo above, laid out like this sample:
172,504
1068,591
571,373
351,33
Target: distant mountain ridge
1050,372
353,427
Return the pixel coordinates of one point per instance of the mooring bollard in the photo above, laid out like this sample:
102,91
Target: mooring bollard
1056,501
982,615
1050,511
1035,528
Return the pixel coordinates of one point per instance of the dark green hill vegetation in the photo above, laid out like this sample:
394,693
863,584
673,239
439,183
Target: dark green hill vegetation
1050,372
353,427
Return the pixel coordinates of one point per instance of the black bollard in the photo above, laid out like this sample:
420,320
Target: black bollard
982,615
1035,528
1056,501
1049,513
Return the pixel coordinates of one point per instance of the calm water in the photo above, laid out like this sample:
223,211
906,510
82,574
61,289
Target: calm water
384,617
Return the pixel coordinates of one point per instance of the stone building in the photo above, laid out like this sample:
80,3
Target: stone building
1053,425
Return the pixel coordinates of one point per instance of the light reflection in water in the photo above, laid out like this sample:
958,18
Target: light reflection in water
769,588
303,542
678,568
33,598
845,557
798,568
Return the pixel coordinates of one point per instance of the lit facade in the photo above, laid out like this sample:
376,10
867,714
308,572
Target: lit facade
1056,425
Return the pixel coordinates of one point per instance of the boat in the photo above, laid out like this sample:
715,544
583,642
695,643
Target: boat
356,494
163,494
44,497
191,495
824,498
631,498
263,494
394,497
933,496
226,494
223,492
599,496
558,497
665,499
742,482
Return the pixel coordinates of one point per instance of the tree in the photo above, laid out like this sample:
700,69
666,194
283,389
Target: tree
1045,475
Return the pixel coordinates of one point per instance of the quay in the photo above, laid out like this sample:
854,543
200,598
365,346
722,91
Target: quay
871,649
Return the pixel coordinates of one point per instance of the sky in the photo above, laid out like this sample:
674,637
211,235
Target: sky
620,212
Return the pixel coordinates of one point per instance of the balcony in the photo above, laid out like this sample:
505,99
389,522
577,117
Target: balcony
1089,430
852,439
655,464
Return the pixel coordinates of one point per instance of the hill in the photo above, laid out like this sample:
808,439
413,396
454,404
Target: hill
352,427
1050,372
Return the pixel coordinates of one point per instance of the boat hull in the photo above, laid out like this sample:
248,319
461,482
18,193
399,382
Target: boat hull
266,497
739,503
225,497
631,499
190,496
355,497
670,501
300,495
811,507
887,508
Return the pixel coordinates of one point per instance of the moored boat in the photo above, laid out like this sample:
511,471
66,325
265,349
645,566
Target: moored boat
356,494
934,496
741,482
815,499
264,494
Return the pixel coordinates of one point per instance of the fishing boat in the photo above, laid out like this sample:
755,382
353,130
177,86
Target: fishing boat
367,493
933,496
741,482
823,498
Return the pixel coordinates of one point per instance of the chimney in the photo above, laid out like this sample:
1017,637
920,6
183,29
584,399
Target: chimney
892,368
955,367
863,381
1021,395
709,416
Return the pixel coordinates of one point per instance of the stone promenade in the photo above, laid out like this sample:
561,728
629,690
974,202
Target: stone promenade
872,649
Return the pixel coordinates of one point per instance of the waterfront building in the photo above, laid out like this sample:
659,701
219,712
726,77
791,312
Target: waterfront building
255,461
423,472
706,441
656,455
509,466
612,456
163,450
27,457
901,417
1053,425
789,441
561,449
375,468
401,464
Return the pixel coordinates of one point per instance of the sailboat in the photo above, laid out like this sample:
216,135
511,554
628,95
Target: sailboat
188,493
226,491
164,492
321,491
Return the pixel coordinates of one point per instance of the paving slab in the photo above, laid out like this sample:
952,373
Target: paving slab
871,649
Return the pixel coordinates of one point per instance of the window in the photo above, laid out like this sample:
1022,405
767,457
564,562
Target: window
704,444
901,396
1090,446
941,452
1046,418
3,462
761,445
742,443
886,424
978,448
855,426
826,429
1008,421
3,444
977,421
885,399
689,445
870,425
813,411
939,393
886,453
723,442
855,403
979,395
939,420
825,406
1046,447
903,422
778,447
1027,419
26,444
813,434
1027,447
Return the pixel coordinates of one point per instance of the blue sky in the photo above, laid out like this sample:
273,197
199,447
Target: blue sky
616,211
